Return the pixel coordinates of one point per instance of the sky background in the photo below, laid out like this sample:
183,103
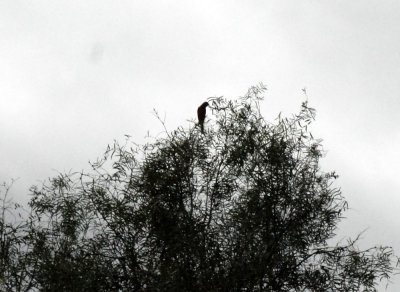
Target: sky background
75,75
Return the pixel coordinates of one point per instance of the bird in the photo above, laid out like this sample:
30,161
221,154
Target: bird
201,114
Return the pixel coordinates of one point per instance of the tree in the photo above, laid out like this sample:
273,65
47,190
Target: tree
243,207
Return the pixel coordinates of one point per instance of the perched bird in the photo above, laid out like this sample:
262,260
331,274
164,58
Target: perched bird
201,114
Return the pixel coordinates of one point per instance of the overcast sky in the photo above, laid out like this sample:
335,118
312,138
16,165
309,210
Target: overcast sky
74,75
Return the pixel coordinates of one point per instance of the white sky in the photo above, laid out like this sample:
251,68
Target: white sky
74,75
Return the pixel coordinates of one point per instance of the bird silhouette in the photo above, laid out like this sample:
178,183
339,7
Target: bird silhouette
201,114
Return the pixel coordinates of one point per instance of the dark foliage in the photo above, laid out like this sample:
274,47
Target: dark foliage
243,207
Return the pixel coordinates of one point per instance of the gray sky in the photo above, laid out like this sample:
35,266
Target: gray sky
74,75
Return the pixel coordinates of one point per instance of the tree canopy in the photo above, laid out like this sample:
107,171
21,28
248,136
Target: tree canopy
244,206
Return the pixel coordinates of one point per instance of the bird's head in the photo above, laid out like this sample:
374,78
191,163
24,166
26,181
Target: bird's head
205,104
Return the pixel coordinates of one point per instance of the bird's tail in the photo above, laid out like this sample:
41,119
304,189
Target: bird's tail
202,128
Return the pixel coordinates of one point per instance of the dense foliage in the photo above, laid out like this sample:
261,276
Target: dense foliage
243,207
